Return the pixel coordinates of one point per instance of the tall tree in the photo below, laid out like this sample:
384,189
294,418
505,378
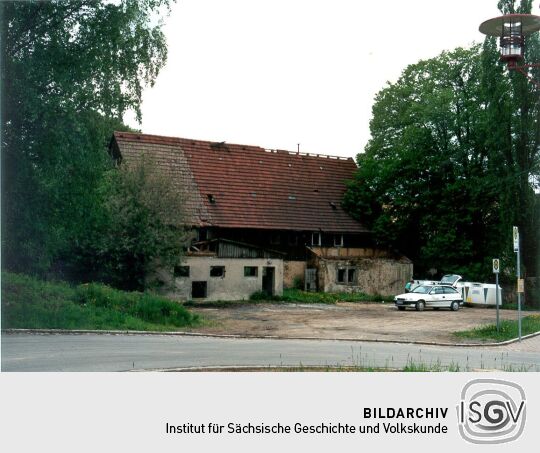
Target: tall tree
452,161
141,229
70,70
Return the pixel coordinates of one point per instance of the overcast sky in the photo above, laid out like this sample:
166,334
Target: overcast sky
275,73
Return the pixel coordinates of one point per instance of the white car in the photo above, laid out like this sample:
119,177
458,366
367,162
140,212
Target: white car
430,296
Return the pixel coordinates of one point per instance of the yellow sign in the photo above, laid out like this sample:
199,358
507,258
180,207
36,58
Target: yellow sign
520,285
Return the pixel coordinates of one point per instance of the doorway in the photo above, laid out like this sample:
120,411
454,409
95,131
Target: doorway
268,277
198,290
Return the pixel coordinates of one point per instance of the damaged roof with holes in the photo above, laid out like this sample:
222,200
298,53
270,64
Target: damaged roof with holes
240,186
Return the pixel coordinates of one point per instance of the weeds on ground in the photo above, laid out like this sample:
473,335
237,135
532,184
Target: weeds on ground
508,329
307,297
35,304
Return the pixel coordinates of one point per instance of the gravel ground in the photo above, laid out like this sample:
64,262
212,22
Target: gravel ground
361,321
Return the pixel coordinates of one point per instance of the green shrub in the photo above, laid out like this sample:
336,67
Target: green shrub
298,282
31,303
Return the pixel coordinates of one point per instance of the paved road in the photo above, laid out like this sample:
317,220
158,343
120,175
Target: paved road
90,352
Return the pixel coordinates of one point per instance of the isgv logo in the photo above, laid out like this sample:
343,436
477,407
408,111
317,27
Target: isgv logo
491,411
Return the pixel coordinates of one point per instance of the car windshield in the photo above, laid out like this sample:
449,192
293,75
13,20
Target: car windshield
422,289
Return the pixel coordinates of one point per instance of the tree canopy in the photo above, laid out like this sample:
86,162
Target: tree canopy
141,227
453,161
70,70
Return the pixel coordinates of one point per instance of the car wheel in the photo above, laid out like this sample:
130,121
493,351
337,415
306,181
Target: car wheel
420,305
401,308
454,306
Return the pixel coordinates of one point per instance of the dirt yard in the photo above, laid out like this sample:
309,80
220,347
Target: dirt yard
360,321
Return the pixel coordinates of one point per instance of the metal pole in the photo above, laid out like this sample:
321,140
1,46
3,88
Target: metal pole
497,297
519,295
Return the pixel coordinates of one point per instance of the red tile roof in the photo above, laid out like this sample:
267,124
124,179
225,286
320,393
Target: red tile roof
240,186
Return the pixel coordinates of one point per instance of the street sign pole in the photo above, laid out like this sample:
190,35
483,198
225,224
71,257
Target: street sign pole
496,269
516,249
519,295
497,297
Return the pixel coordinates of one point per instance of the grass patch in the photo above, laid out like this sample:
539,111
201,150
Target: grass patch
514,306
30,303
508,330
306,297
292,295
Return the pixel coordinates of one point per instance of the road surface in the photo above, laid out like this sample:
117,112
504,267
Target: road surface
92,352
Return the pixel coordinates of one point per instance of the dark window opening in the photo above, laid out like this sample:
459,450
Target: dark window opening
338,240
181,271
346,276
316,239
251,271
293,239
198,290
202,234
275,239
217,271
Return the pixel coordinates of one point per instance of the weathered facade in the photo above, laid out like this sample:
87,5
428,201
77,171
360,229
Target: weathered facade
213,278
365,270
275,211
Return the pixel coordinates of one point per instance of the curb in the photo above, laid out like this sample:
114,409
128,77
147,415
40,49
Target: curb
257,337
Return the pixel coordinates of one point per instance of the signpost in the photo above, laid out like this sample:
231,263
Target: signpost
516,249
496,268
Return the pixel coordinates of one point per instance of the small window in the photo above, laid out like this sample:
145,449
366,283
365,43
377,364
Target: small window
217,271
251,271
338,240
181,271
437,291
346,276
316,239
449,290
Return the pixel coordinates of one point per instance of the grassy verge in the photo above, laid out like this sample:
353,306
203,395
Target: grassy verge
411,367
34,304
507,331
295,296
514,306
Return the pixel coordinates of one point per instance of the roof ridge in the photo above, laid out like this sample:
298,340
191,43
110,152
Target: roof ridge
165,138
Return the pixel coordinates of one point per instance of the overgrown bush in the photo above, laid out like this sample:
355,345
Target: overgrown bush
31,303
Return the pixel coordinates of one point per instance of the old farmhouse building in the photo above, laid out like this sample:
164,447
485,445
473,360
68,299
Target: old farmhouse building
264,219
